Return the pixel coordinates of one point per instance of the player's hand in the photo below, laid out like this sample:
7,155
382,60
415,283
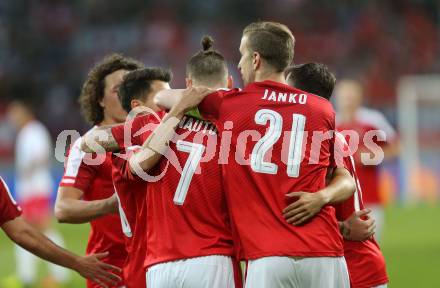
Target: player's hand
92,268
191,97
359,226
303,209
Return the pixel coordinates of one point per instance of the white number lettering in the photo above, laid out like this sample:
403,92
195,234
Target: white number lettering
267,141
295,146
271,137
195,155
126,229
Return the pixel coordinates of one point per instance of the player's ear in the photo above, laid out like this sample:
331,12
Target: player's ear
230,82
135,103
256,60
189,82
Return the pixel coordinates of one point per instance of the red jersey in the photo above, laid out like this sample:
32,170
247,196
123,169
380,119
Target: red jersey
186,207
95,181
9,210
131,192
366,121
365,262
272,154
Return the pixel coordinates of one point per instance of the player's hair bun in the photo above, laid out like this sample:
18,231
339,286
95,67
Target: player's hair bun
207,43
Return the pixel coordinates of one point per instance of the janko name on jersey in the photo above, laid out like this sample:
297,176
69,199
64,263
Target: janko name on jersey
294,98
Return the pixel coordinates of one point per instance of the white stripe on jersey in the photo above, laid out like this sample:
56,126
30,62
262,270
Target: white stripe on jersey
74,161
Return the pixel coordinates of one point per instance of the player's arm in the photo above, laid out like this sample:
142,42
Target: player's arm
187,98
69,208
100,140
359,226
35,242
168,98
156,144
307,205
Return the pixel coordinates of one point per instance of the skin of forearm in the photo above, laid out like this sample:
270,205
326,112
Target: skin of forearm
156,144
340,187
99,140
166,99
35,242
77,211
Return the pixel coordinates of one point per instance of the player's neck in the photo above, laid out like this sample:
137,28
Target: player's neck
270,76
108,121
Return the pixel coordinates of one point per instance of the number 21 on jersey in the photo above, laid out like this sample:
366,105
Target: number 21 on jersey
272,135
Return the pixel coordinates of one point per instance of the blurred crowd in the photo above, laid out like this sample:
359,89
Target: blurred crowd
47,46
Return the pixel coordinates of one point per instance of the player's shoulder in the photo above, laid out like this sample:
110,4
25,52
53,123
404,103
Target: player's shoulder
370,116
226,92
34,130
74,153
373,118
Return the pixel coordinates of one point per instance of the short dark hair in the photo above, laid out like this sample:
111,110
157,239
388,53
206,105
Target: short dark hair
93,89
313,77
207,66
137,84
273,41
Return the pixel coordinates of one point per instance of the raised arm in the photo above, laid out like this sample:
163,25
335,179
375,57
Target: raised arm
35,242
100,140
168,98
156,144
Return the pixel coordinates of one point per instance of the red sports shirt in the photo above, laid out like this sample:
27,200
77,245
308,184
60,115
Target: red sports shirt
186,208
131,193
273,117
366,121
366,264
9,210
96,183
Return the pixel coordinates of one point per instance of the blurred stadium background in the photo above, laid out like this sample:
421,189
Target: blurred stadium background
47,47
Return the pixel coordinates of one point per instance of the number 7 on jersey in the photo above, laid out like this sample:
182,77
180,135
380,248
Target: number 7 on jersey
195,155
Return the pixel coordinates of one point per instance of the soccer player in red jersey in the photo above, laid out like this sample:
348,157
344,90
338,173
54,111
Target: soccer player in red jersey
86,192
271,165
137,90
363,121
28,237
366,264
189,238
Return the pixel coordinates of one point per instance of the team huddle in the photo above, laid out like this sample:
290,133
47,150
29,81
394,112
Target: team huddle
214,186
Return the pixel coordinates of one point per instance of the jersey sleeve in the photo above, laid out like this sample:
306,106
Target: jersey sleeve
211,106
378,120
9,210
136,131
77,173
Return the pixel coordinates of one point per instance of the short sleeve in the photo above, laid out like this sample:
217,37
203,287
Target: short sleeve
9,210
377,120
77,173
135,131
